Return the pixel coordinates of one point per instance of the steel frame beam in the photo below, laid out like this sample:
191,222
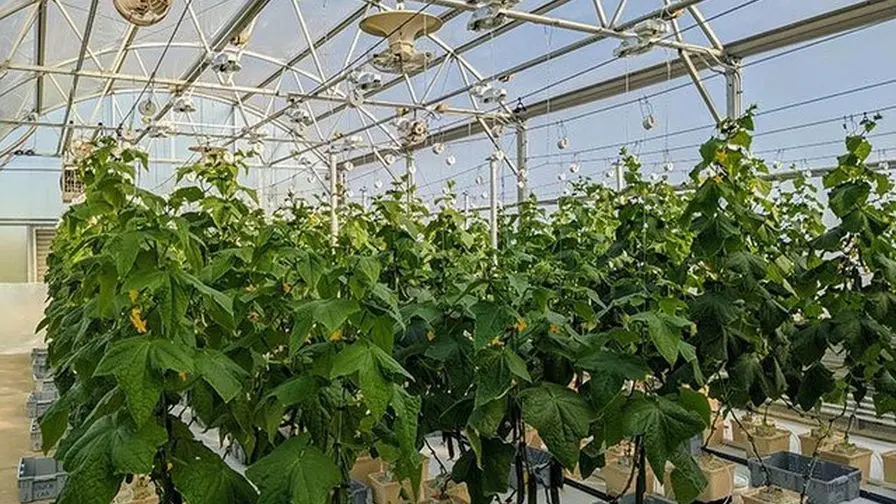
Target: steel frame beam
865,13
66,134
663,13
580,27
241,19
461,49
40,42
333,33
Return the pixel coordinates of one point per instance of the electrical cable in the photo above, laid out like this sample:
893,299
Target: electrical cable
680,147
760,113
611,60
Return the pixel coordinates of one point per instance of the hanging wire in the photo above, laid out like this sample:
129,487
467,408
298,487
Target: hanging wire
155,70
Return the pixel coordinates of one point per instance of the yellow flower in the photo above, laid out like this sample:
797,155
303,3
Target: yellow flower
431,335
336,336
137,320
287,288
554,329
133,294
721,156
496,342
521,325
183,376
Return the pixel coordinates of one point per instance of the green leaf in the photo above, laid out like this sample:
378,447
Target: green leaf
664,331
172,305
107,451
561,418
600,361
296,390
136,363
696,402
491,319
53,424
366,360
665,425
687,478
491,479
497,367
486,418
407,413
817,381
219,371
847,197
219,304
295,472
330,313
203,477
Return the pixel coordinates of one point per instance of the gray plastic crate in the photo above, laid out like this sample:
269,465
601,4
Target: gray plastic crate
695,444
40,363
37,439
40,479
830,482
360,493
48,385
39,402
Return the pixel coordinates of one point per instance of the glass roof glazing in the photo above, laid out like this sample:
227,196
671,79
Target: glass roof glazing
306,49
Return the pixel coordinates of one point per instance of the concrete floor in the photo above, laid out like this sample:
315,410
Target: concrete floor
15,385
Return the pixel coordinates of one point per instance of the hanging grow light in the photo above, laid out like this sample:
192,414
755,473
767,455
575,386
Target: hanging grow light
401,28
184,105
226,62
365,81
486,93
142,12
412,131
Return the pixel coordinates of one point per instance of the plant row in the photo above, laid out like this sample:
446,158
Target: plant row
607,320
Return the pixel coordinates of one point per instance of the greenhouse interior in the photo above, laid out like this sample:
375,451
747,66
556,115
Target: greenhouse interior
448,251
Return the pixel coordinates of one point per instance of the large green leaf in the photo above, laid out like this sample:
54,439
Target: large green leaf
561,418
330,313
665,425
817,381
219,305
219,371
371,364
137,364
664,331
107,451
491,319
497,369
485,482
407,412
296,472
203,478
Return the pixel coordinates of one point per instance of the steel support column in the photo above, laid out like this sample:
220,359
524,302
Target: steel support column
493,164
410,165
734,88
334,198
522,162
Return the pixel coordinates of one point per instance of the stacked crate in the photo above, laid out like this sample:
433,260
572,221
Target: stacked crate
40,478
